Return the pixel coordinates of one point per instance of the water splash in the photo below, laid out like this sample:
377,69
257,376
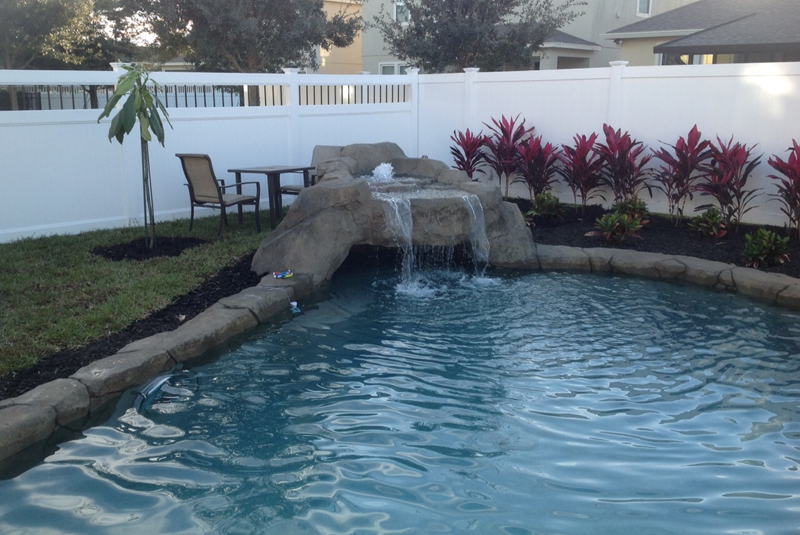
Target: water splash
478,240
397,213
383,173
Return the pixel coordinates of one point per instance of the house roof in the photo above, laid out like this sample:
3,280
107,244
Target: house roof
722,26
559,39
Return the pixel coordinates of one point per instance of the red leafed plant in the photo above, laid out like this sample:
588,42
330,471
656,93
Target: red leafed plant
467,152
681,169
789,185
536,165
581,167
624,164
726,177
501,147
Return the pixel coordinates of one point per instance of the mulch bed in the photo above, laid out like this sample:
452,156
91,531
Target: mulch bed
659,235
137,249
228,281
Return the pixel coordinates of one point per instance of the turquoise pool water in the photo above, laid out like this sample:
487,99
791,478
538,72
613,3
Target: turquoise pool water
517,404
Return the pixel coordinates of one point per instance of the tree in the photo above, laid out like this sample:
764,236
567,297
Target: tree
245,35
449,35
144,107
30,29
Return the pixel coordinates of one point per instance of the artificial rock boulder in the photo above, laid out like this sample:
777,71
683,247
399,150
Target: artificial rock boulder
325,221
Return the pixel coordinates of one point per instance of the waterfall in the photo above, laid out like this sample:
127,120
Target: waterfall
397,212
478,240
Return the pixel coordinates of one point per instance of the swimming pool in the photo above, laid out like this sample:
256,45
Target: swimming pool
518,403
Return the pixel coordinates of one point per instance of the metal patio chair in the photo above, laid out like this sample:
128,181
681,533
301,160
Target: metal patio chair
206,190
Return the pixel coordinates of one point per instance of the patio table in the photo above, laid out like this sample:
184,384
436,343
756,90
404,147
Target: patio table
274,189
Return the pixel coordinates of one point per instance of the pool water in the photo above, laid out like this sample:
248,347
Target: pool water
542,403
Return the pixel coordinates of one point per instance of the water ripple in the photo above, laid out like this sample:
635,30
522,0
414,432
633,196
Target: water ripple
517,404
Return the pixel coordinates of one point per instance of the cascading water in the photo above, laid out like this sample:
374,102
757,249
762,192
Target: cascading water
478,240
396,195
397,212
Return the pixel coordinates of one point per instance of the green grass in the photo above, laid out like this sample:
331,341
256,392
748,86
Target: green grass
55,294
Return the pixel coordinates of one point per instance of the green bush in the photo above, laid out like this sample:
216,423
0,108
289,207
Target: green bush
709,223
617,227
765,248
632,206
547,205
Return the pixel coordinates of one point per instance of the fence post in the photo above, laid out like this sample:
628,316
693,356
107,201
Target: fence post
413,73
469,96
294,115
615,96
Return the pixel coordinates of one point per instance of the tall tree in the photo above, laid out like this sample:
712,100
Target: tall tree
29,29
448,35
245,35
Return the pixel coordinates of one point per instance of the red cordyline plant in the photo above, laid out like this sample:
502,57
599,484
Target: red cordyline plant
726,177
500,148
624,164
789,185
680,170
581,166
467,152
536,165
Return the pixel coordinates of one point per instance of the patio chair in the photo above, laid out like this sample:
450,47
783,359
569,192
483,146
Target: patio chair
322,153
206,190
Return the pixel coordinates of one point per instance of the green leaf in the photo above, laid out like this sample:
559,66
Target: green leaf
109,107
156,125
129,113
126,83
114,129
144,127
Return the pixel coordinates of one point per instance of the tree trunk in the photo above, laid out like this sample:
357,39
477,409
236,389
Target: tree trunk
149,210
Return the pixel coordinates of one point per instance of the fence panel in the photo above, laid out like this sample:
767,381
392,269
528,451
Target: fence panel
59,158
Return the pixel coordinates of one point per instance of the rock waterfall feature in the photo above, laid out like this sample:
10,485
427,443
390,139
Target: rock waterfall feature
426,204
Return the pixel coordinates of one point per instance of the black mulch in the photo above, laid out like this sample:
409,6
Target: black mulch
659,235
138,250
228,281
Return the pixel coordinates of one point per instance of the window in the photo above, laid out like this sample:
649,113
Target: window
392,68
401,12
643,7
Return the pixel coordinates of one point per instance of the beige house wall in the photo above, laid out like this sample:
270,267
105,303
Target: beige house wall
342,60
639,52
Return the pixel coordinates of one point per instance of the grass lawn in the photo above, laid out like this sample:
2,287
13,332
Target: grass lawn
56,294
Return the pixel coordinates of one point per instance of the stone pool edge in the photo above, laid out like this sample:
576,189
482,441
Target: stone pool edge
50,411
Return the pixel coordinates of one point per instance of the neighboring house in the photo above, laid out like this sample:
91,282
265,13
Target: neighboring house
342,60
577,45
714,31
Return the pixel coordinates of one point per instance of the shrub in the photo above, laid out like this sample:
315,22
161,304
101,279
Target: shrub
536,165
765,248
789,185
467,152
680,169
616,227
634,207
547,205
500,149
581,167
709,223
726,177
624,164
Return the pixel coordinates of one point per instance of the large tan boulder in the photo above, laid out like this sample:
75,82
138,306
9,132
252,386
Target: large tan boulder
368,156
445,209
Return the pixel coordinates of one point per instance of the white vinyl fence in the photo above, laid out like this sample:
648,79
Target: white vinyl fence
60,174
